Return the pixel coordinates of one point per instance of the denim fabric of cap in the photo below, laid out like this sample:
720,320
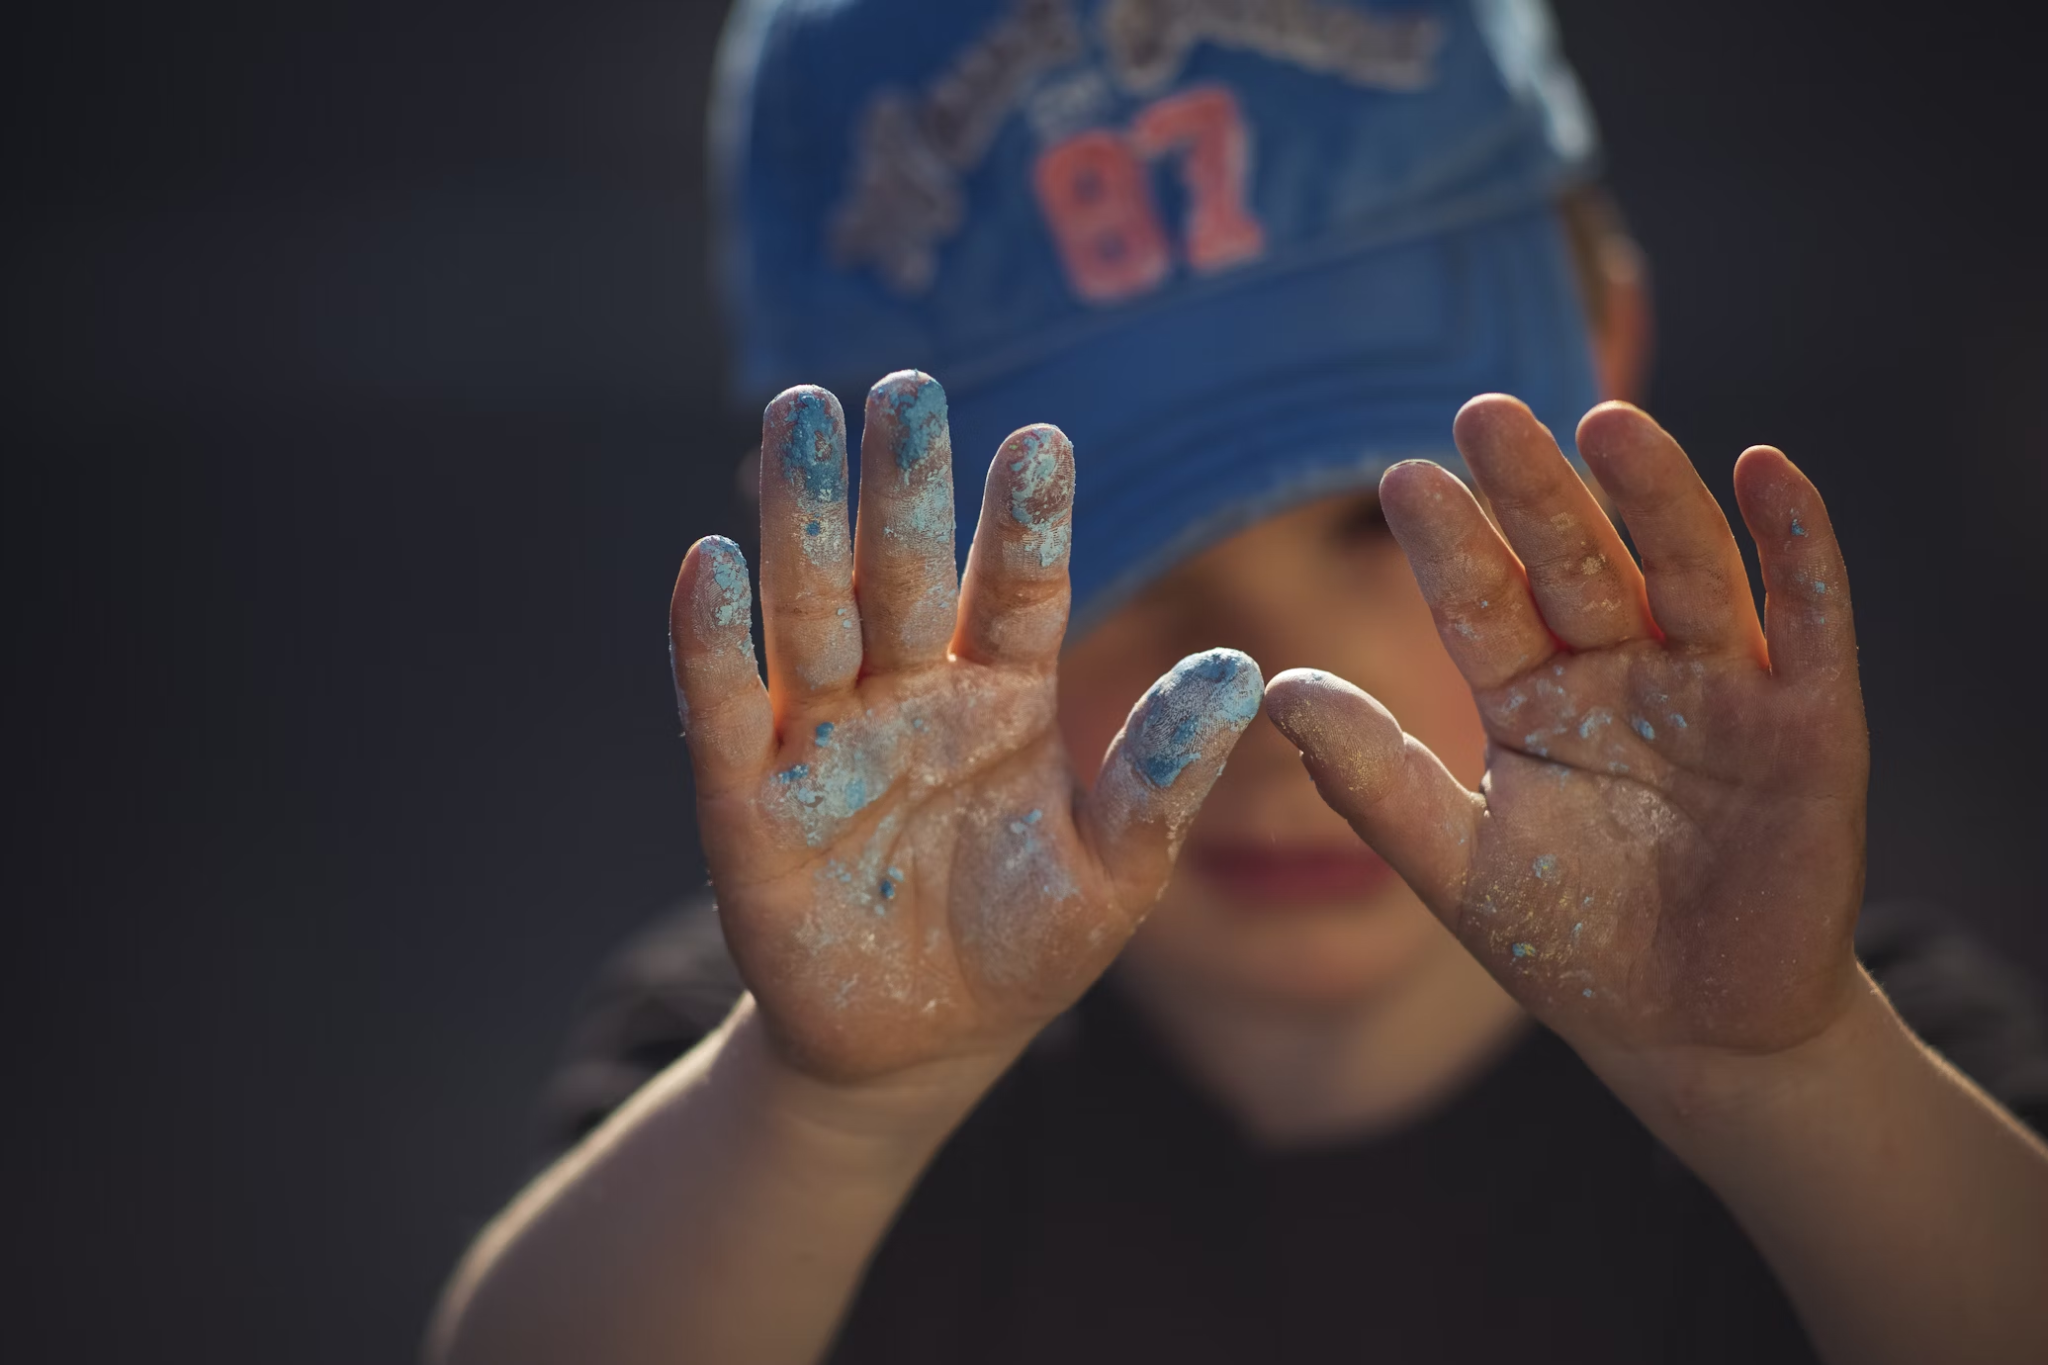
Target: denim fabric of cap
1245,254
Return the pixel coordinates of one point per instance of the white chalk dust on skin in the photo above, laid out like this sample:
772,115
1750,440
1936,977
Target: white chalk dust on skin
869,932
854,937
1029,908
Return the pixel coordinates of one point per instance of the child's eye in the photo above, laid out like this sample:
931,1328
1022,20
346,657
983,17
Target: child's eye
1361,523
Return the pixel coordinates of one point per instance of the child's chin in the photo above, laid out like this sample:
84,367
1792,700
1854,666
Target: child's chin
1304,957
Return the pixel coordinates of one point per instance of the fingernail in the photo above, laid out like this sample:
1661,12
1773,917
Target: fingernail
908,410
723,591
918,404
1042,490
806,442
1204,697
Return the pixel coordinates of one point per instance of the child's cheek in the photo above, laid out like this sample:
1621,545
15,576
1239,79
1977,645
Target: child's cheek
1100,680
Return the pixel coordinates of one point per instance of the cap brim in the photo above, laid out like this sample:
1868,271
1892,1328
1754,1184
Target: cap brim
1198,420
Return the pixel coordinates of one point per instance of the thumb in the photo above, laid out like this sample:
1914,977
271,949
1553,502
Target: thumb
1161,766
1394,791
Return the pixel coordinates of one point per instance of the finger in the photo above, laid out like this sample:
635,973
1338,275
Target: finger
1807,621
1692,569
1161,766
904,578
1013,600
1394,791
1585,584
724,708
1471,580
810,624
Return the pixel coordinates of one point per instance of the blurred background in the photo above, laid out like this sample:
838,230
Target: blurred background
362,396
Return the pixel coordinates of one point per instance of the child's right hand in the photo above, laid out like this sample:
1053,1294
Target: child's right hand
907,871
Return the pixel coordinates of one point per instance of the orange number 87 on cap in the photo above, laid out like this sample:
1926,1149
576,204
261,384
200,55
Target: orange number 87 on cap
1097,198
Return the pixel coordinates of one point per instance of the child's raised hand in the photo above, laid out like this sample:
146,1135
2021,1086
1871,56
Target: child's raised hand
906,868
1667,850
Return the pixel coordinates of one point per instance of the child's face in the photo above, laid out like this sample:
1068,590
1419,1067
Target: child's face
1275,898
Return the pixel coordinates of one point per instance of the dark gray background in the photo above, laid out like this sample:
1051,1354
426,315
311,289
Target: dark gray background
362,398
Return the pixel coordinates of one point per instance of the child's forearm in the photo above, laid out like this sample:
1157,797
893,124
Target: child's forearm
1904,1211
725,1213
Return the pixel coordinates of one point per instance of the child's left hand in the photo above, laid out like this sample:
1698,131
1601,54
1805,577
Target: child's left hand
1665,859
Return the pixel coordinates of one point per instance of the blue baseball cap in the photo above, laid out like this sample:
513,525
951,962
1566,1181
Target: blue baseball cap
1244,252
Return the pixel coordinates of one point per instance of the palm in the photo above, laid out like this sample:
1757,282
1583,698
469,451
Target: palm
906,868
915,874
1638,876
1667,848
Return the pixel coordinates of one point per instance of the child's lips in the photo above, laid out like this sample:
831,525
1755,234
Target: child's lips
1274,874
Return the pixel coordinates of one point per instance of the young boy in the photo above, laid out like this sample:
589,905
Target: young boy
1642,1102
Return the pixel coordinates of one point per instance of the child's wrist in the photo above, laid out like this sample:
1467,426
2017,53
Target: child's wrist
1689,1094
903,1114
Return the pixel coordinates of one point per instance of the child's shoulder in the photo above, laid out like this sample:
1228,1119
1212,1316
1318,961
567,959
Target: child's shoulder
1982,1013
661,994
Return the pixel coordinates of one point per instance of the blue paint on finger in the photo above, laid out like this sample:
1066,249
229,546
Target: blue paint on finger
919,407
1643,727
730,592
813,445
1204,697
823,734
1038,503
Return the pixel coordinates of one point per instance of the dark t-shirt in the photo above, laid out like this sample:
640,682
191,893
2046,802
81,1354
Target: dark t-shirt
1098,1207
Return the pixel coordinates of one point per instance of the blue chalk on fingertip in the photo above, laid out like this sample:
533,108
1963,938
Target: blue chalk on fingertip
813,453
1201,697
918,403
